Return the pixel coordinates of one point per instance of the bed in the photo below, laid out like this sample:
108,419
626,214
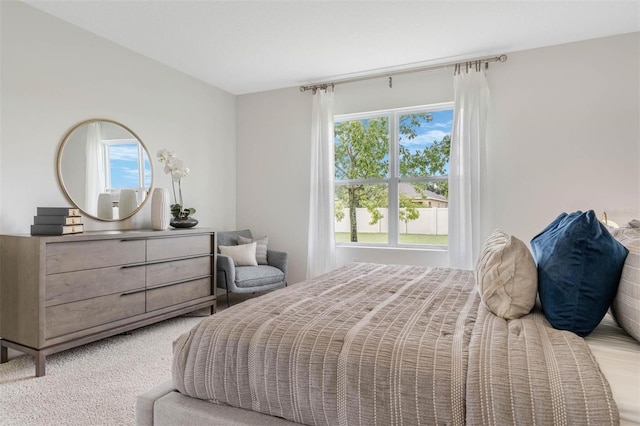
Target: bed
389,344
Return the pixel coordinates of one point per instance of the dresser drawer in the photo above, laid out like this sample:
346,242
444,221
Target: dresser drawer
169,295
80,255
71,317
178,270
168,248
79,285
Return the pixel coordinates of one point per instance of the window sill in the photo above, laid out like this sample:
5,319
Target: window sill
393,248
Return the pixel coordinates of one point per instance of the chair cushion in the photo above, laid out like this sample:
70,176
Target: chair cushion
230,238
256,276
579,268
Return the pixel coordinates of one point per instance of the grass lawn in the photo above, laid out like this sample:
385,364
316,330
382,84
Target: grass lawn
364,237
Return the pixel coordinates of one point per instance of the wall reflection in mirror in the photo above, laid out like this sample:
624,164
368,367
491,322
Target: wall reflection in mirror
104,169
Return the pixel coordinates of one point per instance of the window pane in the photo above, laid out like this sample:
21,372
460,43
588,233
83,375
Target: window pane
362,149
424,142
423,215
123,162
361,213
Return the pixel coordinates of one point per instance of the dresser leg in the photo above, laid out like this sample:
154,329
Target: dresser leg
40,361
4,353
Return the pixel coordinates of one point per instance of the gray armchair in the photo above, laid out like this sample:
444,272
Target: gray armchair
248,279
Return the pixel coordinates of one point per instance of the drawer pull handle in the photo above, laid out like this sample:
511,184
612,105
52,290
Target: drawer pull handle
133,265
178,282
129,293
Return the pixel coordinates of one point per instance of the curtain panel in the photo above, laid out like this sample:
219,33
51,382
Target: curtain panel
466,167
321,256
95,168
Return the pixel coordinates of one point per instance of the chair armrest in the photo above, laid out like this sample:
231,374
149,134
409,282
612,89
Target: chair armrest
225,269
278,259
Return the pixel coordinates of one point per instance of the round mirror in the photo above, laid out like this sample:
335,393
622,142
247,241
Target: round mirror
104,170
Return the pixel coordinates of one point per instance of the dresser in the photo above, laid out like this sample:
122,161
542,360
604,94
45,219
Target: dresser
59,292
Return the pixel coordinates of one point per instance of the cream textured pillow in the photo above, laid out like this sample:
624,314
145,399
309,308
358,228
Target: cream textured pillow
261,248
242,255
506,276
626,305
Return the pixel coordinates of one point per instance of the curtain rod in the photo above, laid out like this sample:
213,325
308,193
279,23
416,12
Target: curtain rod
314,87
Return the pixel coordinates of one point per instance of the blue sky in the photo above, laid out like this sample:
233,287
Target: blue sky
123,160
435,130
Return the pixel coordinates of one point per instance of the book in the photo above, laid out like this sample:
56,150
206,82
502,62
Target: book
58,211
57,220
53,229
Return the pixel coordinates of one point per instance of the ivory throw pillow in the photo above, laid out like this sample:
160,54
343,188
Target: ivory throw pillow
506,276
242,255
261,248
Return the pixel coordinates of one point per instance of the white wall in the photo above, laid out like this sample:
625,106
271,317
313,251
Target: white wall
55,75
273,131
563,135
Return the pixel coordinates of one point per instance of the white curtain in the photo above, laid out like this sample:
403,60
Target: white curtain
466,167
321,246
95,171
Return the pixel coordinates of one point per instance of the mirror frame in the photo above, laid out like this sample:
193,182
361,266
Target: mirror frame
61,178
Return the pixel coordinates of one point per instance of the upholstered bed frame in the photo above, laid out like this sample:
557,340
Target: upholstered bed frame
163,405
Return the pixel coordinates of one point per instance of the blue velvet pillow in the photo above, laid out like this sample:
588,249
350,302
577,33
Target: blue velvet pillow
579,267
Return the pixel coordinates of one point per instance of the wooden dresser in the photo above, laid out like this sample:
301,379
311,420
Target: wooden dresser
58,292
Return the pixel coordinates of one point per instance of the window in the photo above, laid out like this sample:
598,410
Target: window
126,166
391,176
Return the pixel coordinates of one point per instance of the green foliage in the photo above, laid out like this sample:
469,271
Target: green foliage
178,211
408,210
361,149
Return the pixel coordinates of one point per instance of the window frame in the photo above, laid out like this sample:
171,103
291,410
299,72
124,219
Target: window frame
394,179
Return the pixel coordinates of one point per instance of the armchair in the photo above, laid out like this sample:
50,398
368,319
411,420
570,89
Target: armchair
248,279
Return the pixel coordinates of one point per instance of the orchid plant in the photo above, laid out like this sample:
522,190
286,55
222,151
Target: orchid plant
176,168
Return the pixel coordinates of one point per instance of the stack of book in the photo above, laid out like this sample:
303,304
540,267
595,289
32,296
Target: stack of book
57,221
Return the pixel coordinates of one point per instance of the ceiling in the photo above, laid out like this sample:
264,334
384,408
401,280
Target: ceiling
251,46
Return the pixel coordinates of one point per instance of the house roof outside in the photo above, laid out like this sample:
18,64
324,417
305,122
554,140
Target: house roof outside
411,191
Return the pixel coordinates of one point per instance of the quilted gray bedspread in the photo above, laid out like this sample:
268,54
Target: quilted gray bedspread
371,344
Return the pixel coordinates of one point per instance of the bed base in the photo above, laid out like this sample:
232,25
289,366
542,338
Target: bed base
163,405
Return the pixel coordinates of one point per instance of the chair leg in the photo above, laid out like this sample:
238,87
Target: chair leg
226,285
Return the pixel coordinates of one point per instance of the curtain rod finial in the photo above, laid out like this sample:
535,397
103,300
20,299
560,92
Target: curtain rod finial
502,58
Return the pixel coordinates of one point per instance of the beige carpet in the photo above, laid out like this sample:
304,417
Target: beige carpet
95,384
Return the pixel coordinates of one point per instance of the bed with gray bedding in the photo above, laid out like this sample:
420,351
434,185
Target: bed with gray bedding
373,344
